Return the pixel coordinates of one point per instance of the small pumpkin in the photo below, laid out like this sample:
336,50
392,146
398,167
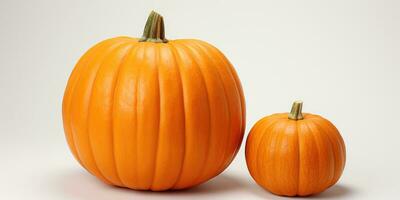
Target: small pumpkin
295,154
152,113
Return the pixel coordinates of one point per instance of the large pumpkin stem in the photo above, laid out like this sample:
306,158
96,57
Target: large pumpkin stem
154,29
295,113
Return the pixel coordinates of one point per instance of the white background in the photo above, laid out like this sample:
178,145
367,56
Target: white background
341,57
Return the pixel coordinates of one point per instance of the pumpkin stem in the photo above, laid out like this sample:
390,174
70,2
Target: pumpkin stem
154,29
295,113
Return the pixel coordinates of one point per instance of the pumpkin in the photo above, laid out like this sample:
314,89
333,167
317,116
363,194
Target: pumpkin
154,114
295,154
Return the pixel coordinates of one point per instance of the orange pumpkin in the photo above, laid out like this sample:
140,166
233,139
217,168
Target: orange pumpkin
153,114
295,154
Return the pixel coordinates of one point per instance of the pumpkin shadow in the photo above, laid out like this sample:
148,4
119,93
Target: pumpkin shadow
222,183
79,185
335,192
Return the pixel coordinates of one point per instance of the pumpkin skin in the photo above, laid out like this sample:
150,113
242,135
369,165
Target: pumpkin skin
295,157
154,116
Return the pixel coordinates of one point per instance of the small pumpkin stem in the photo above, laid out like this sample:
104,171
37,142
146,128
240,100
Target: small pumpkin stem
295,113
154,29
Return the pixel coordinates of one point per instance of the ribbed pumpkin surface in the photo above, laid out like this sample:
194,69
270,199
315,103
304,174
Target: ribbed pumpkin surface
295,158
154,116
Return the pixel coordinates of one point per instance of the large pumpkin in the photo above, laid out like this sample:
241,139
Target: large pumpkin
295,154
153,114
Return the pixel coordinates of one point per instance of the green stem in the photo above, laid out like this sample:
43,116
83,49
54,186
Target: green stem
154,29
295,113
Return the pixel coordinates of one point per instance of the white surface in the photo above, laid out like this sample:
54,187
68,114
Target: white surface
340,57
